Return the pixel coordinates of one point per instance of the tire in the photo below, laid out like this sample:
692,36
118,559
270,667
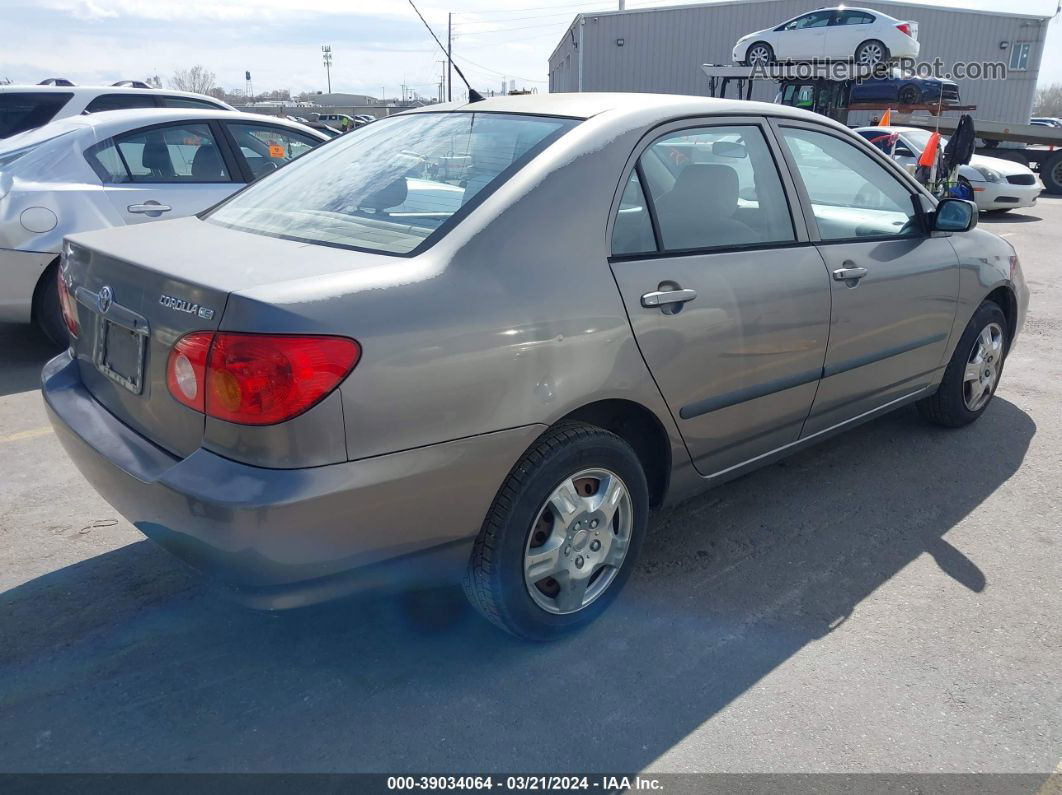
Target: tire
521,520
46,311
752,56
984,343
864,51
1051,173
909,95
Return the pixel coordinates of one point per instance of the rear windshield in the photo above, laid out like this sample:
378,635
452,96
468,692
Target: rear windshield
20,111
395,185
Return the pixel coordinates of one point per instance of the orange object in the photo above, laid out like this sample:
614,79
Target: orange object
929,156
886,118
276,150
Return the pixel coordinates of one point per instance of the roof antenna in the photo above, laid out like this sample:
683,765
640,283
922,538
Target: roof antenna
473,95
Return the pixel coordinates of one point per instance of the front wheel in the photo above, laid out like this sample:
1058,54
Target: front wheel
972,375
562,535
759,54
909,95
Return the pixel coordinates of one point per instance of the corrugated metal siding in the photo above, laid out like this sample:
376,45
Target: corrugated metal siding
663,50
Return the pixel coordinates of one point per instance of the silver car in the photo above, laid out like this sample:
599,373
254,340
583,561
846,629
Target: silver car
480,341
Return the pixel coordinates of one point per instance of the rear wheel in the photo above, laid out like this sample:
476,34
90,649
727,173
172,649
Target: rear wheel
1051,173
759,54
562,534
972,375
47,313
871,53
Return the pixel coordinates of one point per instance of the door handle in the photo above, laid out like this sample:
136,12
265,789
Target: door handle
849,274
149,207
665,297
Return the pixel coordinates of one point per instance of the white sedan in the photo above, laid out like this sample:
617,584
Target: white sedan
862,35
998,184
115,168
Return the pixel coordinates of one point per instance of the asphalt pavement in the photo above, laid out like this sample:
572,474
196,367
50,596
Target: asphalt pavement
888,601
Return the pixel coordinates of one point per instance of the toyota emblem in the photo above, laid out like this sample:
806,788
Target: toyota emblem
104,299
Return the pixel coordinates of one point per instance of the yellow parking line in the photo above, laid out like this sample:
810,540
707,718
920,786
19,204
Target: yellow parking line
32,433
1053,784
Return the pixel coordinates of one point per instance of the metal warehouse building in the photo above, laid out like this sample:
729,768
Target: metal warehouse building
662,49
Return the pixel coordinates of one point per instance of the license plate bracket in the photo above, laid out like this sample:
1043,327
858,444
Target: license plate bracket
120,354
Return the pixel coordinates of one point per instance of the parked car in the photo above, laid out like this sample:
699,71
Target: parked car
329,382
118,168
862,35
1046,121
26,107
905,89
341,121
998,184
324,129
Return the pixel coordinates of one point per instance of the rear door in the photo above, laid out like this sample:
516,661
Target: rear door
894,285
728,301
847,30
166,171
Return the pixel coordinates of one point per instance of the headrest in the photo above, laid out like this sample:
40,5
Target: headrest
711,188
207,163
156,156
388,196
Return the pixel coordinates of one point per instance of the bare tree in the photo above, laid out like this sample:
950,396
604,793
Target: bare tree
198,79
1048,100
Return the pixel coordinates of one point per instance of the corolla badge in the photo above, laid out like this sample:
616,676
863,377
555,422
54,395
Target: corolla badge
104,299
188,307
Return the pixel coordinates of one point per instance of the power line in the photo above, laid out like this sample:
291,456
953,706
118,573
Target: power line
495,71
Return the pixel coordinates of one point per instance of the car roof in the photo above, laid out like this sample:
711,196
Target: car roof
585,105
111,122
104,90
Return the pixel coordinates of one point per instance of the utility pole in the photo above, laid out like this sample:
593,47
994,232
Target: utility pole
450,55
623,5
326,49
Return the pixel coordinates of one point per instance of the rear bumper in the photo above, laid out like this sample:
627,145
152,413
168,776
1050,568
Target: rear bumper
289,537
19,273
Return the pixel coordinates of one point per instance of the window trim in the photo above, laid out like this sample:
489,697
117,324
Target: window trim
223,146
154,101
801,232
447,226
890,167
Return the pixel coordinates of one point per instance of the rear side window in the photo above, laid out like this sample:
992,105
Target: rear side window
854,18
23,111
633,230
120,102
395,185
188,102
181,153
716,187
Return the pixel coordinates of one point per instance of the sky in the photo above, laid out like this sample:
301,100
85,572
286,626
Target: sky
377,44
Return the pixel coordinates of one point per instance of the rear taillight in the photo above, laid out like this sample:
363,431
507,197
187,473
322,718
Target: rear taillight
68,306
257,379
904,28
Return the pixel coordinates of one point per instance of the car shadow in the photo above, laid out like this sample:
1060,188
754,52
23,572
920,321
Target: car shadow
25,350
1009,217
127,661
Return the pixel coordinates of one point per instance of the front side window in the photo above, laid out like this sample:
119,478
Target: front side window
716,187
852,196
266,148
394,184
819,19
25,110
181,153
120,102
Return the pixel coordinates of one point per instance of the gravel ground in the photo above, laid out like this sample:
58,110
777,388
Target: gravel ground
888,601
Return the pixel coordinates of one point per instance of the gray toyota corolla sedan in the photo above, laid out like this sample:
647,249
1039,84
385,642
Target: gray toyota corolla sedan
479,342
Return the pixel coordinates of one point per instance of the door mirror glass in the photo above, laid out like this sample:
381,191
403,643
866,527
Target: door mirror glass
955,215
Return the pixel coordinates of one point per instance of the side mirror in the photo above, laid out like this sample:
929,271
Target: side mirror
955,215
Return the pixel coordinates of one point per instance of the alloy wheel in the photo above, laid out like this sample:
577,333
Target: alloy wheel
759,55
870,54
579,541
983,367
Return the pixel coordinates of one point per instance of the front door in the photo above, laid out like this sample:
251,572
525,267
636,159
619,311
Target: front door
167,171
894,286
728,302
804,38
